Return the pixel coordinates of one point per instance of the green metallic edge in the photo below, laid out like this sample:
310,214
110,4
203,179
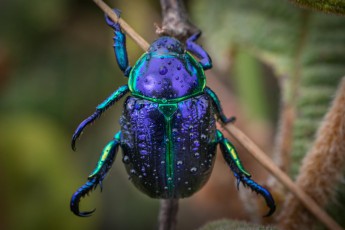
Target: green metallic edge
131,84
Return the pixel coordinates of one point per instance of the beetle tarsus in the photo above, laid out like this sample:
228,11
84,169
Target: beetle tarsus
114,97
110,22
80,193
228,120
197,50
97,176
259,190
81,127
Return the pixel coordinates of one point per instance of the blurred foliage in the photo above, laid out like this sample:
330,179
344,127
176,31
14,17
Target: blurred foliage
234,224
330,6
35,175
304,49
249,85
56,65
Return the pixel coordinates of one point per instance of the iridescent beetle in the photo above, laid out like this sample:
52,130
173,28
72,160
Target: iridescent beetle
168,133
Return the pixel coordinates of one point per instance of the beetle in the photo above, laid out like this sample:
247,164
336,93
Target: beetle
168,126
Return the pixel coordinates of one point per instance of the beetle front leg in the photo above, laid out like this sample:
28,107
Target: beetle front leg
197,50
218,107
231,157
114,97
96,177
119,44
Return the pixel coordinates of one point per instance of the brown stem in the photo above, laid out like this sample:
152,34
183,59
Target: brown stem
167,219
175,20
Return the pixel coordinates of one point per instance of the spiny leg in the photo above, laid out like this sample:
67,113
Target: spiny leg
197,50
231,157
218,106
114,97
119,44
96,177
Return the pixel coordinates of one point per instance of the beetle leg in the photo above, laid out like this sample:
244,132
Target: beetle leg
197,50
96,177
114,97
119,44
231,157
218,106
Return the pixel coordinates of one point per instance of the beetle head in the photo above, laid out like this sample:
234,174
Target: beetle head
166,45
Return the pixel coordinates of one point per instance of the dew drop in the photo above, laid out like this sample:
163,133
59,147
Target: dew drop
193,170
197,155
143,152
179,162
125,159
163,70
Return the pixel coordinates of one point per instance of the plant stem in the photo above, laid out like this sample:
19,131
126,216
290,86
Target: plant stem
175,20
167,218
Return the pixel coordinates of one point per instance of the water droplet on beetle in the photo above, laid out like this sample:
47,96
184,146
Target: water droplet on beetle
163,70
179,67
143,152
179,162
125,159
197,155
193,170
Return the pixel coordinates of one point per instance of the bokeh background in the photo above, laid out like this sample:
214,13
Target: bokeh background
56,65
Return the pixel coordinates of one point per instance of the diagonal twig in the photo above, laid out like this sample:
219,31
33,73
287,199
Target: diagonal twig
253,149
129,30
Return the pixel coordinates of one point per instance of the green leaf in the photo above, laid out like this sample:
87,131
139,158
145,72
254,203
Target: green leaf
305,49
329,6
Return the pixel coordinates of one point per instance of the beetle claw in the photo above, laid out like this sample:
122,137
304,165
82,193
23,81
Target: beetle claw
80,193
259,190
110,22
81,127
229,120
